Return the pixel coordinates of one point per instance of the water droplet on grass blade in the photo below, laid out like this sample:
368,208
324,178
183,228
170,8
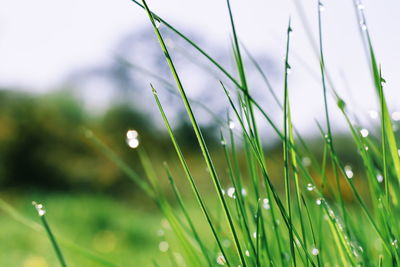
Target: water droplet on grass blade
396,116
373,114
133,143
132,138
39,208
379,177
266,204
231,125
327,139
221,260
244,192
364,132
247,253
231,192
310,187
130,134
314,251
157,22
363,25
349,172
163,246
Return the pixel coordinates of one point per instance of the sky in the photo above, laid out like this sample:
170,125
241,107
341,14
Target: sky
43,41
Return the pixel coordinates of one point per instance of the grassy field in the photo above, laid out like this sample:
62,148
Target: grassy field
304,209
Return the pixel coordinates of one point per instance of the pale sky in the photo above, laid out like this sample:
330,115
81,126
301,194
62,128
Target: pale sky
42,41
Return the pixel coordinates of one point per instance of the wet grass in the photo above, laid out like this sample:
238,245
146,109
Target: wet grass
244,220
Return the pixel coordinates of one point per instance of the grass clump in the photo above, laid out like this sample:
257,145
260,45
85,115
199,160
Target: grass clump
252,223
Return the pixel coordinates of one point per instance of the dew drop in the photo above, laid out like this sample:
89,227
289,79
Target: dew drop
231,125
373,114
131,134
364,132
396,116
157,22
310,187
223,142
315,251
319,201
363,25
349,172
247,253
379,177
132,138
327,139
244,192
163,246
221,259
255,234
266,204
133,143
395,243
231,192
39,208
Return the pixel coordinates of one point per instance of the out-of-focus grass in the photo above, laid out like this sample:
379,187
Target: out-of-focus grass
124,234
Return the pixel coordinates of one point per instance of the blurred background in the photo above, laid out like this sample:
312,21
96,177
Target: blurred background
67,66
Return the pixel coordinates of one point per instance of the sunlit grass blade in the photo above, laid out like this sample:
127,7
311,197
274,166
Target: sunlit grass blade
285,145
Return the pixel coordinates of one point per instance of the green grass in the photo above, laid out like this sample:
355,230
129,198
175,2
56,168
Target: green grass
87,227
310,223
